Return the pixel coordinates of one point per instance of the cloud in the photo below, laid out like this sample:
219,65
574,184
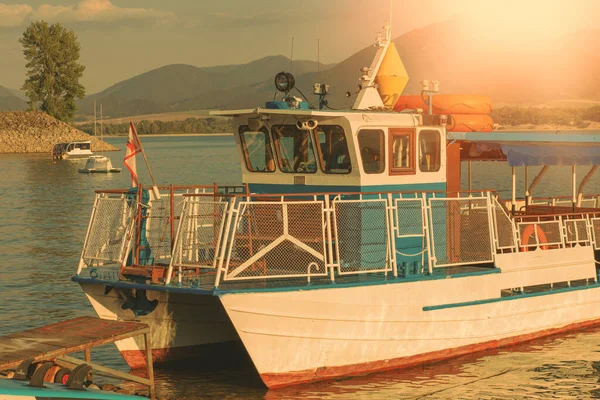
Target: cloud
12,15
85,11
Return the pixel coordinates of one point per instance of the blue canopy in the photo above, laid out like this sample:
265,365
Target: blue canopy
550,154
531,148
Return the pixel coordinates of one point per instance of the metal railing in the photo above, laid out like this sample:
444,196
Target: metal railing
238,237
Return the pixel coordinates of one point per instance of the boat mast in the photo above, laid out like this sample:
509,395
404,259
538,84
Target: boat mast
101,131
94,118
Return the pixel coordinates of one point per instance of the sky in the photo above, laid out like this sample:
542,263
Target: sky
122,38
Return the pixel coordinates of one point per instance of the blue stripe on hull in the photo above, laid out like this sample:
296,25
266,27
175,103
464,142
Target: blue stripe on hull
509,298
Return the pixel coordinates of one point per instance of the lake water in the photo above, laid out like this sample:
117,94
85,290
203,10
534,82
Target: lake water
44,212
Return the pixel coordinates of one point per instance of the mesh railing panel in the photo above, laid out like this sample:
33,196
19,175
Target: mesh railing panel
409,217
361,236
111,222
537,234
277,240
596,232
460,231
504,228
576,231
158,225
200,230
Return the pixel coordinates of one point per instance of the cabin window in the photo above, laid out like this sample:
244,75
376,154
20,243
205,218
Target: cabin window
429,151
294,149
84,146
256,147
402,149
372,150
332,148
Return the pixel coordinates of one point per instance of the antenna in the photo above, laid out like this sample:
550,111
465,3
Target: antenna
101,132
318,61
292,55
390,31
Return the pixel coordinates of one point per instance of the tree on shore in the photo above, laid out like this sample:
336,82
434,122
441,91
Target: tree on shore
53,71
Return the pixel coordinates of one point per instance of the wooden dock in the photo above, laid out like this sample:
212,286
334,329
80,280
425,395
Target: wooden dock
53,343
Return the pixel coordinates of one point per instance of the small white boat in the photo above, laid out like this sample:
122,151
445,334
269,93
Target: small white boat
98,164
75,149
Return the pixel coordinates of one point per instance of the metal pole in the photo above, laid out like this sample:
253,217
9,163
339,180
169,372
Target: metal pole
526,185
172,212
149,366
514,190
470,175
538,178
584,182
574,186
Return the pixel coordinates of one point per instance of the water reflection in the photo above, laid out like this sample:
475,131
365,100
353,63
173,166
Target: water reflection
44,211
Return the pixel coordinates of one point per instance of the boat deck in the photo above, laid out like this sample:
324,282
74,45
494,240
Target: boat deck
205,285
53,343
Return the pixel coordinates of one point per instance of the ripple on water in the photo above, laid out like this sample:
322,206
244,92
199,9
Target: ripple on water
44,211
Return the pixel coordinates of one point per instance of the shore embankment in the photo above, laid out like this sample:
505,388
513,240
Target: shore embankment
37,132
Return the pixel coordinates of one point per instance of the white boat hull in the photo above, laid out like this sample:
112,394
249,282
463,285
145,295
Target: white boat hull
181,325
307,335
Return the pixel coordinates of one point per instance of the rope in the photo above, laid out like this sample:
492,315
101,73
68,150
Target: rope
411,255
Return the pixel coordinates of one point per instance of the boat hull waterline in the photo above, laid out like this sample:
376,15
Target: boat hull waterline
302,336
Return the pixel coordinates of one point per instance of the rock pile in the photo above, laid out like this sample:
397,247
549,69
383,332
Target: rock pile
37,132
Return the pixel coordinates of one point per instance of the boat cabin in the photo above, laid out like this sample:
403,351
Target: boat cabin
301,151
74,149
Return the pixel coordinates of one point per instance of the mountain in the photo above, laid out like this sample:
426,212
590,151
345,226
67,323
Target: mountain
167,88
10,102
468,61
460,54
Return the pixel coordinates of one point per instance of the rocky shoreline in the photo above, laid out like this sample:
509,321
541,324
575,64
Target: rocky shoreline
37,132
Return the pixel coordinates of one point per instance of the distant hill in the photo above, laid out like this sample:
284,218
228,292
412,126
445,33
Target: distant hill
462,58
37,132
168,88
10,102
465,62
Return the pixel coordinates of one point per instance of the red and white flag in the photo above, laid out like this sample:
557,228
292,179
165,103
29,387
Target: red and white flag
133,148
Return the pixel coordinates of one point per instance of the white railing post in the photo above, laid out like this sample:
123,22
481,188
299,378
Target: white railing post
328,216
224,244
87,235
492,225
391,236
428,234
177,245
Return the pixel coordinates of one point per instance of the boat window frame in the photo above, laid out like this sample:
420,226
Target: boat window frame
310,146
245,128
395,133
382,150
438,150
321,159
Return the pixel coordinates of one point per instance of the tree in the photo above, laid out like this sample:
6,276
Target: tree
53,73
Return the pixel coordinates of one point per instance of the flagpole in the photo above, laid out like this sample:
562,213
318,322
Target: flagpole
139,143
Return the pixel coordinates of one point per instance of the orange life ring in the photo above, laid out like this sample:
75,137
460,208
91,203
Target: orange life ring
447,103
469,123
528,233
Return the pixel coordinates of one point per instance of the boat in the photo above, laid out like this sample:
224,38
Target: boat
70,150
98,164
351,247
19,390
